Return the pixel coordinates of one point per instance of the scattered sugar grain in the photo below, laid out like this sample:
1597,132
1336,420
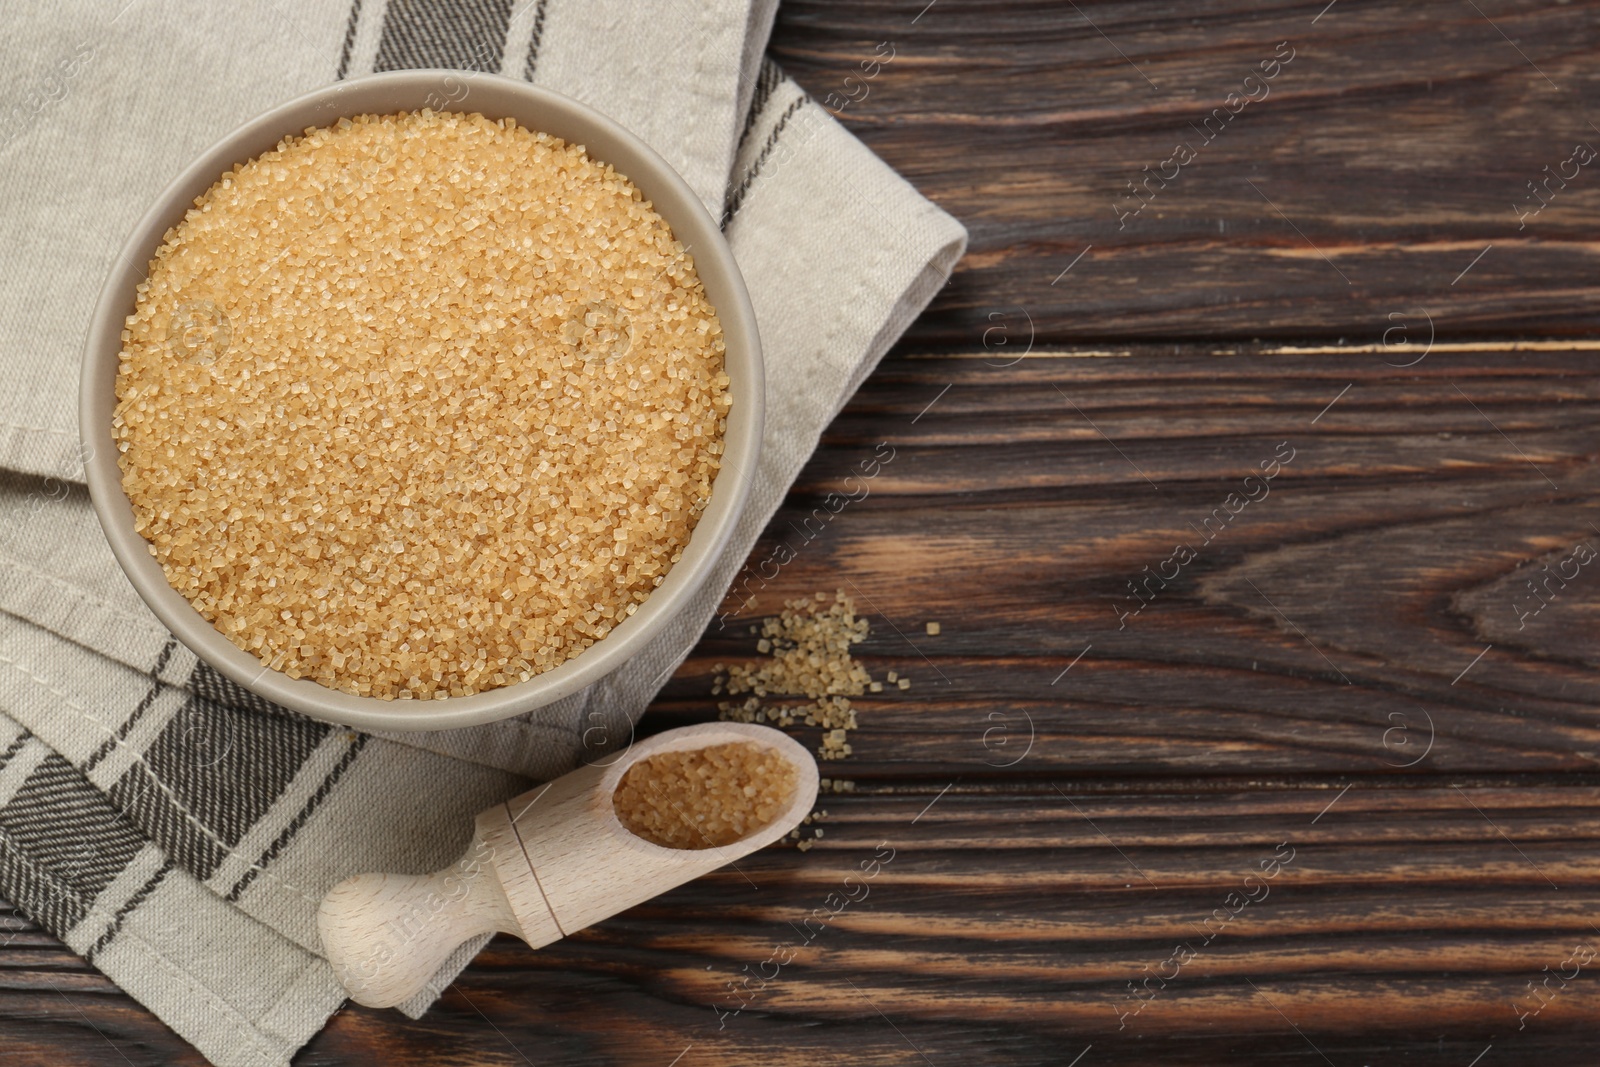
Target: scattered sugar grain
810,648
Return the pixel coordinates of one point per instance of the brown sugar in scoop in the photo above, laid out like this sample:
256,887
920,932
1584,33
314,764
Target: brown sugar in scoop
704,797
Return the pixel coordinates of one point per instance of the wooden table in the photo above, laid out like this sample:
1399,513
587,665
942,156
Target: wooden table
1326,788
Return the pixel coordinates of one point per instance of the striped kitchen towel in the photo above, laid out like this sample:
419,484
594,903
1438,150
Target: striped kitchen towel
172,828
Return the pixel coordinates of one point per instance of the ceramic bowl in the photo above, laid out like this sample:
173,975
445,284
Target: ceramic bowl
494,97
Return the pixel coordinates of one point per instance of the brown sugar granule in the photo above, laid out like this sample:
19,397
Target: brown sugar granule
810,646
933,629
704,797
420,405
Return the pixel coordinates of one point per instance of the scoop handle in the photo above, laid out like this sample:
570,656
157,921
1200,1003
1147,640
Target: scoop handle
386,935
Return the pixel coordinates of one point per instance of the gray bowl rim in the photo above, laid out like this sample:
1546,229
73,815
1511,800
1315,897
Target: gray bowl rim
387,93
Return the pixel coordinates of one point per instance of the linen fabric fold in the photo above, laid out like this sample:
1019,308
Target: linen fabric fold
171,827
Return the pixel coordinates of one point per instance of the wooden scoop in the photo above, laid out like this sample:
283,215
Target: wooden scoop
553,861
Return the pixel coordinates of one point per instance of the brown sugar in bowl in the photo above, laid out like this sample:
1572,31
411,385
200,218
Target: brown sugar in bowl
531,109
420,405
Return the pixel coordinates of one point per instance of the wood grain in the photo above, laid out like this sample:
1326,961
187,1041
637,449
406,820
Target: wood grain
1321,628
1391,150
1401,923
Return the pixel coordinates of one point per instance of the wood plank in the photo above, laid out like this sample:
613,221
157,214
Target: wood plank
1390,151
1004,929
1320,631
